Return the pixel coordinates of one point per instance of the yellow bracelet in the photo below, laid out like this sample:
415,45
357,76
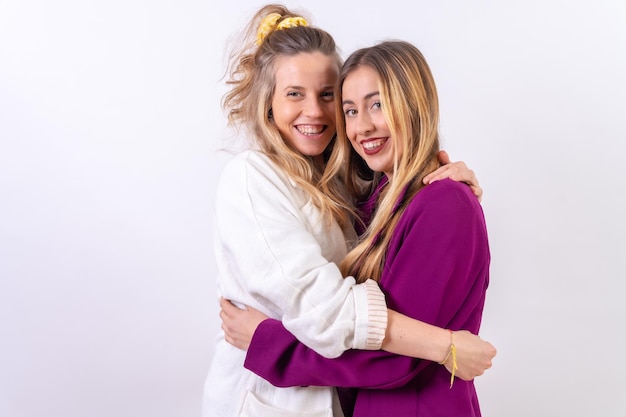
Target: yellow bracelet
452,352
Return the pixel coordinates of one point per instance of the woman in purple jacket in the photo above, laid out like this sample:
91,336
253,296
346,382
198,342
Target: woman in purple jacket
425,245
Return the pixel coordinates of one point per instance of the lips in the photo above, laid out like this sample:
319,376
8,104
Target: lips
373,145
310,130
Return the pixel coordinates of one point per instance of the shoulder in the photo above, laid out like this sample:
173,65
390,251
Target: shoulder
448,191
247,160
253,177
446,197
445,211
250,166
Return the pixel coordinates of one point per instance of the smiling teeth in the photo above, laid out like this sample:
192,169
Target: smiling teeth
310,130
373,144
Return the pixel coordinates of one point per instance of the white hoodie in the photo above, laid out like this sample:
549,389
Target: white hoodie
276,254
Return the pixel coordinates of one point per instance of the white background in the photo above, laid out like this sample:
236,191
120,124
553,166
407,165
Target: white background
109,121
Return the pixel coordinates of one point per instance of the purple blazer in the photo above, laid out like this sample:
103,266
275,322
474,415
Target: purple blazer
437,271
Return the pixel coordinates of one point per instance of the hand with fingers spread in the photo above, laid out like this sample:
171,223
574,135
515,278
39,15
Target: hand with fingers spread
239,325
457,171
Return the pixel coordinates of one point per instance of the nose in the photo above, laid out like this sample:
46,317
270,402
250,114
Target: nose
313,108
364,124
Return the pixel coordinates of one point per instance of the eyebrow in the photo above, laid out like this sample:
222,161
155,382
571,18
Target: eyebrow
367,97
299,87
292,87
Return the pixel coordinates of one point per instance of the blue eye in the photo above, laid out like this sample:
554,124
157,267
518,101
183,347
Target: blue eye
376,105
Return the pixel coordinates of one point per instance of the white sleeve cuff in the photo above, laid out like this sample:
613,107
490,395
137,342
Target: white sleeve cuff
371,316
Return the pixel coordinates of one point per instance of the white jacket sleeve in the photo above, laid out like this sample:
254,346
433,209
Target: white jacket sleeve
275,254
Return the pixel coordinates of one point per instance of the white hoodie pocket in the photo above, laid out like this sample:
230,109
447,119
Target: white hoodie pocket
254,407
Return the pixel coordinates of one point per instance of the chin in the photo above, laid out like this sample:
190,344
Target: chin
313,151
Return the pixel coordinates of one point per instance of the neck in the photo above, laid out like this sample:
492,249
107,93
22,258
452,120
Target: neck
318,161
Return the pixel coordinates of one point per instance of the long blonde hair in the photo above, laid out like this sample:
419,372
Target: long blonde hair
411,108
251,78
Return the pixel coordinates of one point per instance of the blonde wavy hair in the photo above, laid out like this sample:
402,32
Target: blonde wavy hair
411,108
250,77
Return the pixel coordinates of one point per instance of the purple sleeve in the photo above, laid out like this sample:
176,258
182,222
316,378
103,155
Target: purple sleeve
436,271
277,356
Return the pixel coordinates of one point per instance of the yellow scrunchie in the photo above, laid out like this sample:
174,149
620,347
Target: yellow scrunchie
268,25
292,22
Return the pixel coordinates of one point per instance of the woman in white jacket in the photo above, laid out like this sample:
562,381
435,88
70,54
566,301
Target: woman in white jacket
283,222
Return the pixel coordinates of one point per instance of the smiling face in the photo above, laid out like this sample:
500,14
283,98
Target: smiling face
303,102
366,126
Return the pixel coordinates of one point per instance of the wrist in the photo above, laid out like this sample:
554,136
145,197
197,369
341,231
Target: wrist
442,346
451,356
